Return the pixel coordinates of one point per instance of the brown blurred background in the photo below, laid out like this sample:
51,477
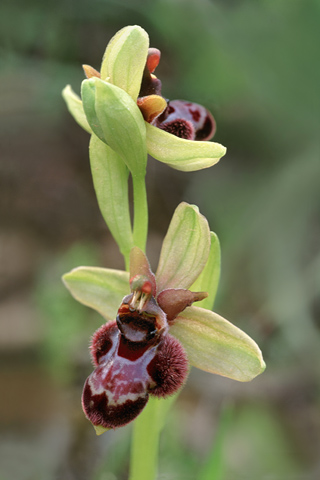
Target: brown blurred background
254,65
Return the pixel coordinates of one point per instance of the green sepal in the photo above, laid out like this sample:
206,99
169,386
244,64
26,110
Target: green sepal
208,279
99,288
215,345
125,58
185,249
182,154
116,119
110,179
88,95
75,107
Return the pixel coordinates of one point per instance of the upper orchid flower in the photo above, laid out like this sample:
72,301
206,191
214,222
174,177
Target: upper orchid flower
136,355
114,98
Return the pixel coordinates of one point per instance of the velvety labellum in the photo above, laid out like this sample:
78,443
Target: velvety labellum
134,358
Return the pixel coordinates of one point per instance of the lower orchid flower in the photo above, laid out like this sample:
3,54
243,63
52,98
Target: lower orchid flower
154,333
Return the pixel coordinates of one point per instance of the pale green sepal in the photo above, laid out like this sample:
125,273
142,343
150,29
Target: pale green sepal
110,179
116,119
208,279
185,249
181,154
125,58
88,95
123,125
215,345
99,288
100,430
75,107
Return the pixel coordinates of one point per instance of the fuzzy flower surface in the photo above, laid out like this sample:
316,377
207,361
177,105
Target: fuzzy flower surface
153,330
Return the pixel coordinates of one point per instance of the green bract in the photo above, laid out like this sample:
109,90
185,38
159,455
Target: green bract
110,180
212,343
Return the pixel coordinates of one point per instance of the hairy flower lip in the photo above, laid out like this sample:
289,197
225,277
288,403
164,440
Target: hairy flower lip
141,358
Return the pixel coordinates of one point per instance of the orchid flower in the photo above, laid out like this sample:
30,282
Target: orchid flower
127,90
153,332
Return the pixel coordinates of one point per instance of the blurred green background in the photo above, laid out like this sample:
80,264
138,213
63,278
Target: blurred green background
255,65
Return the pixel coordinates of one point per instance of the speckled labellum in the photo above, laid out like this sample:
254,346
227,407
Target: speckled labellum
135,357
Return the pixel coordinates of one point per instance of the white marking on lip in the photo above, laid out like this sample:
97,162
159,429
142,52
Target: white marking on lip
120,379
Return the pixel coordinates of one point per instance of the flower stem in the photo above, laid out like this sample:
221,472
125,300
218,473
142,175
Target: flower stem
140,212
145,440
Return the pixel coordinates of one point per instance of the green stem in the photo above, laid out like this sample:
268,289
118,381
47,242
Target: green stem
140,212
145,440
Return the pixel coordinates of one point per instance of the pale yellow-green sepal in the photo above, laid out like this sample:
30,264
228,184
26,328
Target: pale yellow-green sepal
116,119
75,107
182,154
125,58
185,249
215,345
99,288
208,279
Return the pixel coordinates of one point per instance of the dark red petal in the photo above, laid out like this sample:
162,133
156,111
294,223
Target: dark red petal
97,410
174,300
169,367
102,340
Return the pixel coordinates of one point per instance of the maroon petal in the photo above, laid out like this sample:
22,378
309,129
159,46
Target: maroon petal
169,367
174,300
